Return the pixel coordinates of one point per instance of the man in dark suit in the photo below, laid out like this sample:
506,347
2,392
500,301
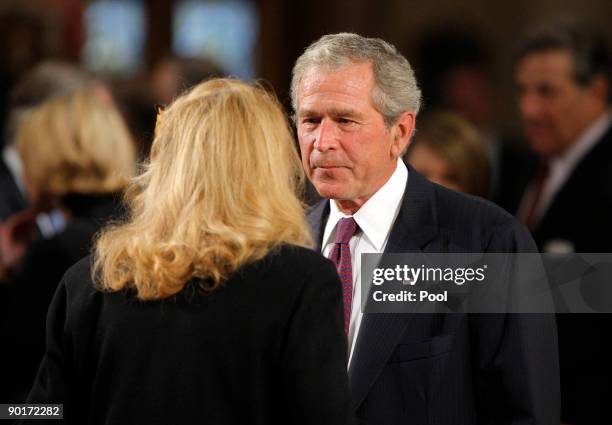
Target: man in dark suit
563,74
356,100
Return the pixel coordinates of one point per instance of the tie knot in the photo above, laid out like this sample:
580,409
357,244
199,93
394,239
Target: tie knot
347,227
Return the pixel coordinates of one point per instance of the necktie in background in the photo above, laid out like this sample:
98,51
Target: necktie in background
528,216
341,257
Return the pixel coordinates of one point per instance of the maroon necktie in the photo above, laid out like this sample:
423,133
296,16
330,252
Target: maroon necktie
341,257
528,216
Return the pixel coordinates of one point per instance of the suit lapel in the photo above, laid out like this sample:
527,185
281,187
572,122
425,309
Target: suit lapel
414,227
580,177
317,218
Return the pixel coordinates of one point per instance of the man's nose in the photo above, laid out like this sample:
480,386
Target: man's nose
530,106
325,138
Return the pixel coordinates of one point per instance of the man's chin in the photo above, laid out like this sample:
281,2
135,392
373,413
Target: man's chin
330,190
544,148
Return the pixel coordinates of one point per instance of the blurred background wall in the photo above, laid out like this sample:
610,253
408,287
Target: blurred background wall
127,41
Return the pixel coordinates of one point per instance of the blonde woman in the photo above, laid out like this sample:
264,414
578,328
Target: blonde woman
77,158
206,305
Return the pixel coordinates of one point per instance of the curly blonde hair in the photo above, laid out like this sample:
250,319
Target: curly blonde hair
220,190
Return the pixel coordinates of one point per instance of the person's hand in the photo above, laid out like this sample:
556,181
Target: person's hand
16,234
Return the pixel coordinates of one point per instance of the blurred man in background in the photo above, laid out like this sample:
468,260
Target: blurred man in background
563,80
563,77
462,80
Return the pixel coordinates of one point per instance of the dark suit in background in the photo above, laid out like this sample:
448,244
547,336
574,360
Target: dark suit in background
267,347
514,168
580,216
11,201
452,369
581,212
563,71
35,283
11,198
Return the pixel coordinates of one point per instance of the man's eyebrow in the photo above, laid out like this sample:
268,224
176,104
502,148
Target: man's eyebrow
344,112
306,113
334,112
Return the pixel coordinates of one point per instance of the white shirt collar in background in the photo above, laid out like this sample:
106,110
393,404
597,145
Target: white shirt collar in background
13,163
561,167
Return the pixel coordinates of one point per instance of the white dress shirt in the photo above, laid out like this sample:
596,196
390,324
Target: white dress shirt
50,223
375,219
13,163
561,167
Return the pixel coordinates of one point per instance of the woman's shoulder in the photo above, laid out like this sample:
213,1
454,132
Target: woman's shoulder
80,269
284,263
77,279
299,259
290,267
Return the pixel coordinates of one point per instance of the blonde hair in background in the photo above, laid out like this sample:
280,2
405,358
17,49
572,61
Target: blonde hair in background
458,142
77,143
220,191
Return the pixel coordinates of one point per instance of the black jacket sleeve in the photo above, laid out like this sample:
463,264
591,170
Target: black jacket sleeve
314,355
52,381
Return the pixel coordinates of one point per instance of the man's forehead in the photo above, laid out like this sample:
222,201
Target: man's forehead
551,64
351,85
352,74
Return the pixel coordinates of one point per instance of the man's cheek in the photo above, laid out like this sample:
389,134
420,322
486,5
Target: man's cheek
304,154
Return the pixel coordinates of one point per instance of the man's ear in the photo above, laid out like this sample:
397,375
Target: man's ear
402,132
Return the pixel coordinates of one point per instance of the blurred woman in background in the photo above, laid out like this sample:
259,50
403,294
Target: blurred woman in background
77,158
206,305
447,150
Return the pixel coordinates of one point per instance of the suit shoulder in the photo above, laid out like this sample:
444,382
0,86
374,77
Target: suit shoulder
595,166
472,224
300,260
286,274
460,208
80,269
77,278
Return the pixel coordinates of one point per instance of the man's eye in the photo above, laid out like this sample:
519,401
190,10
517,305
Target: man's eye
310,121
345,121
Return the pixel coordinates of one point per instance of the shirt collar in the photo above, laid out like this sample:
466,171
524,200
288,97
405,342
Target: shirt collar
13,163
377,214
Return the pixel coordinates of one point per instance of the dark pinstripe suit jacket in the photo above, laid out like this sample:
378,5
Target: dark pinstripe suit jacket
452,369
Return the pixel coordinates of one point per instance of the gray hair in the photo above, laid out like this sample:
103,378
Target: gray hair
395,89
